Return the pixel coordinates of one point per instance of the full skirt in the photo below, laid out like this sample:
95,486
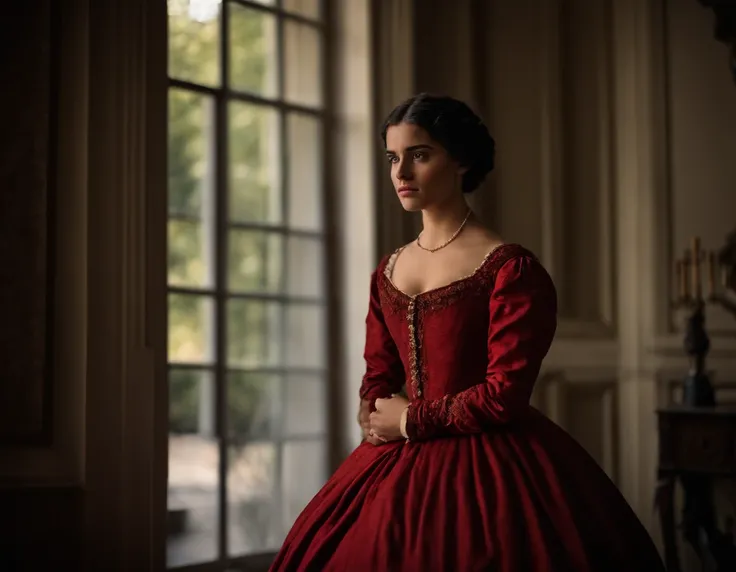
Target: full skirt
517,498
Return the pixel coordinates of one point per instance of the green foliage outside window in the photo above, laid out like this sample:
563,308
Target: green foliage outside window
253,179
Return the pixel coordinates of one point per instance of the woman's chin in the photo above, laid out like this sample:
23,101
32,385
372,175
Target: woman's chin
411,205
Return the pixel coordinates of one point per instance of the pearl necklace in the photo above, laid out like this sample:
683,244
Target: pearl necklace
448,241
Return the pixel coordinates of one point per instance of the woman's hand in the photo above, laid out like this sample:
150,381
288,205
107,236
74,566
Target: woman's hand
385,421
364,412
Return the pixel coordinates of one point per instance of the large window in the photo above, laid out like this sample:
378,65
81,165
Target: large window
247,308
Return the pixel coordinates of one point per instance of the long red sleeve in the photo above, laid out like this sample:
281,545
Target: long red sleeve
384,373
522,324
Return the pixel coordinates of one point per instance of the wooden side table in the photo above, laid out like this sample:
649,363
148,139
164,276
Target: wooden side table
696,445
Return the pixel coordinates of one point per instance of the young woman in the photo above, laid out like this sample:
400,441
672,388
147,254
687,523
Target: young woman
464,475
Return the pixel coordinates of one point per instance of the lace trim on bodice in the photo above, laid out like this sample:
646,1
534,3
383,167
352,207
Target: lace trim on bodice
394,300
388,271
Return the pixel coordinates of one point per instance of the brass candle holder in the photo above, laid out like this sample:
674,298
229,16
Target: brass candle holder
716,269
694,270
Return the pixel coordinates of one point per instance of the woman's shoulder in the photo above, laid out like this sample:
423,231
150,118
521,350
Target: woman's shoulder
511,252
516,266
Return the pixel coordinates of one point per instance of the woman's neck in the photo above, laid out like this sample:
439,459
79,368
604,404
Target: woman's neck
440,223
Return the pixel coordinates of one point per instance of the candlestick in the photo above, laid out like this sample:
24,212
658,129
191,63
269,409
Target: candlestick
697,291
679,284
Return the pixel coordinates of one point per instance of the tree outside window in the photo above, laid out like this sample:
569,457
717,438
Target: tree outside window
247,308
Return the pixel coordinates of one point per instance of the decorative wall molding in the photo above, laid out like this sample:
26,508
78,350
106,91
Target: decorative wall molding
582,354
669,246
584,403
552,183
60,462
575,198
585,330
636,31
28,177
666,317
126,429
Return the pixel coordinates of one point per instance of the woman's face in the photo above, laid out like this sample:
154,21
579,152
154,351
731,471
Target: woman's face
422,172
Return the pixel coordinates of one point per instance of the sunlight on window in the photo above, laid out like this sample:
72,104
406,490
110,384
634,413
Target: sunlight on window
194,42
247,299
196,10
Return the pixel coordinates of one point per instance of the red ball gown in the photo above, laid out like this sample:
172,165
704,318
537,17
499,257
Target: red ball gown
485,481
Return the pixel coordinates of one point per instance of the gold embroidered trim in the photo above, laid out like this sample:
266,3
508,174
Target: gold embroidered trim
414,345
456,406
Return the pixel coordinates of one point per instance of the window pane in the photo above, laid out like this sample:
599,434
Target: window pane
305,404
303,64
253,333
192,494
251,402
191,251
305,335
308,8
191,154
305,181
191,332
255,261
253,519
304,473
305,271
255,168
191,402
253,60
194,39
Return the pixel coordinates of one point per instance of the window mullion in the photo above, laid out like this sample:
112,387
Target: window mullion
331,403
221,225
280,390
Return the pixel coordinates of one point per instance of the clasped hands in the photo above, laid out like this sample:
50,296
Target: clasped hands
384,424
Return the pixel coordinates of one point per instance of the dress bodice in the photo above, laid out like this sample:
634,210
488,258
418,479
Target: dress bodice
480,338
444,330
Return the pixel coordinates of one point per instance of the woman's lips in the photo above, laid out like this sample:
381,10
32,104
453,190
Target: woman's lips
406,191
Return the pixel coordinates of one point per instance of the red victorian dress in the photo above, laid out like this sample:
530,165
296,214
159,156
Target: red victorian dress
485,481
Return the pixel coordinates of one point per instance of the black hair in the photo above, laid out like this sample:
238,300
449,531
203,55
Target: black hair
453,125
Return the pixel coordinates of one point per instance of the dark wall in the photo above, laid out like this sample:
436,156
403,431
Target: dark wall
40,527
41,530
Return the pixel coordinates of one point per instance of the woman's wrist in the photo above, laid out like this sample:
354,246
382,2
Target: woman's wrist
402,423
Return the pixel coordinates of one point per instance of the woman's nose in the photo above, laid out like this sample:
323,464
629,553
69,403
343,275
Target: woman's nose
404,171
